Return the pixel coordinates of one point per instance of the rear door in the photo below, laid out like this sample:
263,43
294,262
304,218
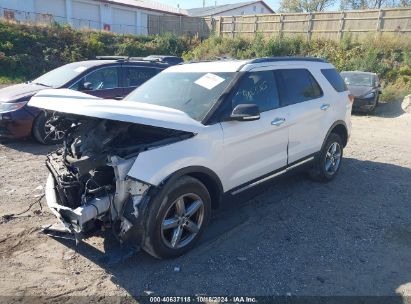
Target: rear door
134,76
253,149
306,108
103,82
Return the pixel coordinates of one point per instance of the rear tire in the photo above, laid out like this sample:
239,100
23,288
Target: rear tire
328,162
177,217
42,131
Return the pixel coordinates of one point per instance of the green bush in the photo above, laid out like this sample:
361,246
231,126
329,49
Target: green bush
27,51
388,56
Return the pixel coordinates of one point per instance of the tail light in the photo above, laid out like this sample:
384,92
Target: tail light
351,97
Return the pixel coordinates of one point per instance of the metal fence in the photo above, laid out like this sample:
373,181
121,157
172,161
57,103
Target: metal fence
327,25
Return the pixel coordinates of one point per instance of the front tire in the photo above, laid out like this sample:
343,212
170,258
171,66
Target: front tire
328,162
177,217
44,132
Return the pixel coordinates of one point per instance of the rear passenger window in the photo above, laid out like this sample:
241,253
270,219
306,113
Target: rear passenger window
335,79
135,77
297,85
258,88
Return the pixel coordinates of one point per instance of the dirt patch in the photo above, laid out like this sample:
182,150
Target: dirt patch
348,237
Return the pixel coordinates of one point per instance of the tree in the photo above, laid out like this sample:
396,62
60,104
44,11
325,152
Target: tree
364,4
300,6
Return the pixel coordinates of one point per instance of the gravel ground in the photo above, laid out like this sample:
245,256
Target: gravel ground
349,237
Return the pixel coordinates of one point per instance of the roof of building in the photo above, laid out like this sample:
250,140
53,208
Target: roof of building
214,10
148,5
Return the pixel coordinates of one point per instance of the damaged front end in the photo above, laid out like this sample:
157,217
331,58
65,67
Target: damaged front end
88,186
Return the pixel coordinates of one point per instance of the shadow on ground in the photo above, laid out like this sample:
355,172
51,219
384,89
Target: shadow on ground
29,145
387,110
348,237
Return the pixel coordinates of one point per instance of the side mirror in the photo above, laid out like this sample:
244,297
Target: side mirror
87,86
245,112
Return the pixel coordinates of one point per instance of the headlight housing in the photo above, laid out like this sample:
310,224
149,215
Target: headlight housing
6,107
369,95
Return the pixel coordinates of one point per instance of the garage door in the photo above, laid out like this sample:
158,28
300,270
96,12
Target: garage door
86,15
124,21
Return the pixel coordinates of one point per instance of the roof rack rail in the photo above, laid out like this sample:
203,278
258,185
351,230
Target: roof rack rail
287,58
119,58
152,58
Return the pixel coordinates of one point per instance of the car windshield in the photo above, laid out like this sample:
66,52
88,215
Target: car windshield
357,79
60,76
192,93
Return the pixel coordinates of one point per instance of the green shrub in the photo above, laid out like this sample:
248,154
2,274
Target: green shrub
27,51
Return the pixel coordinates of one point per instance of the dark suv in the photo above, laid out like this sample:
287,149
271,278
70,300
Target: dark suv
111,77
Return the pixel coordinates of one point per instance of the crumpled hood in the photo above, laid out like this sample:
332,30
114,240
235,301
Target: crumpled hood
73,102
359,91
15,92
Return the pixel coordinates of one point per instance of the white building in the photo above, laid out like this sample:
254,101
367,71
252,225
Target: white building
120,16
236,9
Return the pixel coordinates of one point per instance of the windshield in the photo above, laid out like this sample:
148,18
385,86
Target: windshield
192,93
60,76
358,79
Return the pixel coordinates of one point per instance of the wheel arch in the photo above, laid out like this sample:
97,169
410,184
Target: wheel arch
340,128
206,176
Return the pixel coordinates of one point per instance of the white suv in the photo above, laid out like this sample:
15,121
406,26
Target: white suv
154,165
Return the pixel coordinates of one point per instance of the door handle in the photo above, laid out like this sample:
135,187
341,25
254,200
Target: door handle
278,121
325,106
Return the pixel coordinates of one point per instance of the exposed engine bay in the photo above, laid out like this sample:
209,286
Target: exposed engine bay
88,185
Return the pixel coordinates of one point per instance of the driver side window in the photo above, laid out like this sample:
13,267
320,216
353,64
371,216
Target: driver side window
102,79
259,88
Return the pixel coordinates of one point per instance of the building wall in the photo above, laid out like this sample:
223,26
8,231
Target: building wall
81,14
252,9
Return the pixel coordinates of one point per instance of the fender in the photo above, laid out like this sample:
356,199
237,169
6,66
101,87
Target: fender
338,122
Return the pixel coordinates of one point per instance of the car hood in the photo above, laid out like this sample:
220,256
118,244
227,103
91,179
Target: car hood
73,102
15,92
359,91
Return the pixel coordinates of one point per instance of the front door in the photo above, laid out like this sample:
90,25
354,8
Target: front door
253,149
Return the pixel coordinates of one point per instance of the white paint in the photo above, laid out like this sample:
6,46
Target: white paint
69,101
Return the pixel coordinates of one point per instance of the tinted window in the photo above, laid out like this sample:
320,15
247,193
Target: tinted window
101,79
334,79
135,77
258,88
297,85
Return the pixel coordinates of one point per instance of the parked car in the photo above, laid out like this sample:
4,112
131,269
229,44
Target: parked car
366,89
156,164
108,77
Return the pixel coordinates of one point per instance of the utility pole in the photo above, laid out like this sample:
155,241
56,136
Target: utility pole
203,3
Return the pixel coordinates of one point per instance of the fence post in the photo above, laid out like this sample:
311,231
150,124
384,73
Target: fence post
379,21
219,29
340,31
255,25
232,27
309,25
281,25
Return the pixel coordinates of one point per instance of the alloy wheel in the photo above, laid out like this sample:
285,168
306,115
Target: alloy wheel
182,221
333,158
